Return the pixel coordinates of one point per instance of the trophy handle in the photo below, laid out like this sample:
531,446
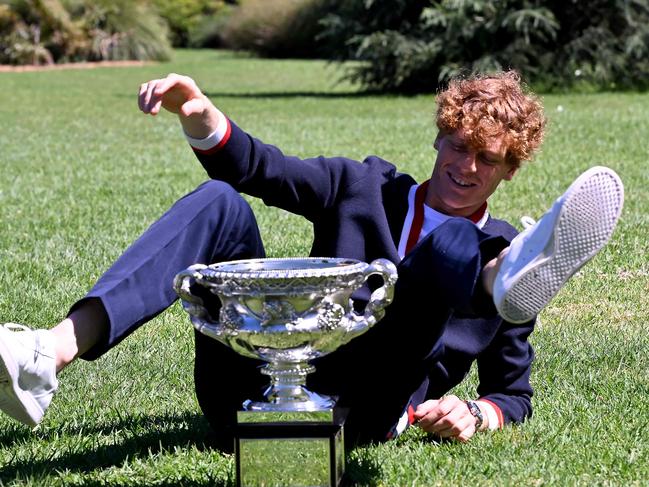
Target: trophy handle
200,317
382,296
182,285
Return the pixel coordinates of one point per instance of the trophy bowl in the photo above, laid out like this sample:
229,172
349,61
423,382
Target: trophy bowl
286,312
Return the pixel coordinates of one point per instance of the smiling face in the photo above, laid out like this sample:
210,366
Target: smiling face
488,125
464,176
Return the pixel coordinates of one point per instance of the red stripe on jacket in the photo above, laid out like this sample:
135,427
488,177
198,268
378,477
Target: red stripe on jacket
219,146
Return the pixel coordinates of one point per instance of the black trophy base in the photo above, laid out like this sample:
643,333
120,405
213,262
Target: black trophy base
296,448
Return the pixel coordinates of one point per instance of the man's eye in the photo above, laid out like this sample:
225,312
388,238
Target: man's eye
459,148
488,160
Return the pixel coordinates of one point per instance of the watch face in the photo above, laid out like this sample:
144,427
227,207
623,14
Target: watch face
474,409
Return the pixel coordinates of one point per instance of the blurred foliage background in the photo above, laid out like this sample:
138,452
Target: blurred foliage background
413,45
399,45
52,31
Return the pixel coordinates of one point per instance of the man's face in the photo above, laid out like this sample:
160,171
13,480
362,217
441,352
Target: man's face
463,178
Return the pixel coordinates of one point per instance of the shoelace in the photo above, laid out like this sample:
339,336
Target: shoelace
16,327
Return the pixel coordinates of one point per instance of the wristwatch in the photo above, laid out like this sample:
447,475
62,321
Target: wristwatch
474,409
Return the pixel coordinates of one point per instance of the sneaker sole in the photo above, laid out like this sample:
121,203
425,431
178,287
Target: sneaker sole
15,402
585,223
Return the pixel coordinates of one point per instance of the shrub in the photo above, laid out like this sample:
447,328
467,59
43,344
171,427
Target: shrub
607,48
18,43
122,29
276,28
186,16
37,32
47,31
414,45
208,32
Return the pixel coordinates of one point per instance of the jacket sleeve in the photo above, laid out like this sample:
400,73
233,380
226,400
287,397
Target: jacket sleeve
504,372
302,186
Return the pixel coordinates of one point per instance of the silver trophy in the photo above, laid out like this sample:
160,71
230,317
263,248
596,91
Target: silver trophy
287,312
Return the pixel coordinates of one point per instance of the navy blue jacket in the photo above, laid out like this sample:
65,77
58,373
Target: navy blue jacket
358,211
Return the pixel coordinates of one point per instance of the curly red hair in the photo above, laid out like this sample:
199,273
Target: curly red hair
488,106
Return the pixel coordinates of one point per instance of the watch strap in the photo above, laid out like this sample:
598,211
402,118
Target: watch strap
475,411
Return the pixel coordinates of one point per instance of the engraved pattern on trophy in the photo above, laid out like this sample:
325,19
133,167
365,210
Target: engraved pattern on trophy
278,310
329,315
286,312
230,317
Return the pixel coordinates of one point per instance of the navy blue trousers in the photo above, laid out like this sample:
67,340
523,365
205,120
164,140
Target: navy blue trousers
377,375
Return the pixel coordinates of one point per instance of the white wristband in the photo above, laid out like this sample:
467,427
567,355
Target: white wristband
492,415
214,138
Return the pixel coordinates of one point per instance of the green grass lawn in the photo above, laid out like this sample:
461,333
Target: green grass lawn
84,173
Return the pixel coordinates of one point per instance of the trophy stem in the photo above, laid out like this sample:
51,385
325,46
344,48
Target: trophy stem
287,390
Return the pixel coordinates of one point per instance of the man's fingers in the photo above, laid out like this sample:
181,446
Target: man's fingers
450,421
466,434
428,413
448,418
453,424
171,80
424,408
140,96
144,95
156,108
433,410
149,99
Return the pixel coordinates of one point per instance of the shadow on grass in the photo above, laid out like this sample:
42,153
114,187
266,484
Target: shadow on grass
135,437
293,94
360,471
261,95
160,433
13,435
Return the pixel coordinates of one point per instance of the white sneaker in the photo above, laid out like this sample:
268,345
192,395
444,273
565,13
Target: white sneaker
544,256
27,372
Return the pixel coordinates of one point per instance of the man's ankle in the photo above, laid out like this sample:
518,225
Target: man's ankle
490,271
66,346
86,326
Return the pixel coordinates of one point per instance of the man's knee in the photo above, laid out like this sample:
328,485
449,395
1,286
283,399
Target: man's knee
221,193
228,222
222,204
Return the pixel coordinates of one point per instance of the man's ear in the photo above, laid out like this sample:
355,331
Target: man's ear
510,173
437,140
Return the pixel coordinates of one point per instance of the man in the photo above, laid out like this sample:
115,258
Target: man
467,289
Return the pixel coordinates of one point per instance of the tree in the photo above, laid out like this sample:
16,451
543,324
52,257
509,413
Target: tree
414,45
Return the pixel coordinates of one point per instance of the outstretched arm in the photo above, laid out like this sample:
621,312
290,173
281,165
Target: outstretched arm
302,186
180,95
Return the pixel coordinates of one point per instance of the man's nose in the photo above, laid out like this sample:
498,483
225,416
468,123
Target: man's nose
469,162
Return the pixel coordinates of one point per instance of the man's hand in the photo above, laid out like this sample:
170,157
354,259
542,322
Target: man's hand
448,417
180,95
175,93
